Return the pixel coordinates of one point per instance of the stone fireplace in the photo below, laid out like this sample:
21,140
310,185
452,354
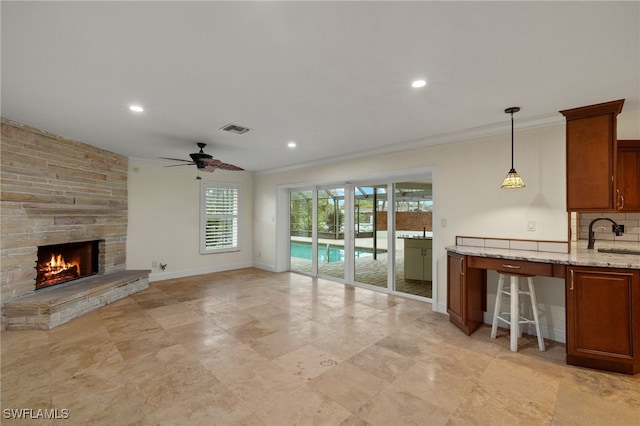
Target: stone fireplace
57,191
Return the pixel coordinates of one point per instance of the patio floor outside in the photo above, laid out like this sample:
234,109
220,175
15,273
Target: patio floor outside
368,270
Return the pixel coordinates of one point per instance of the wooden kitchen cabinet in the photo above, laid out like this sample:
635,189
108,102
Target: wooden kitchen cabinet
628,176
418,259
603,318
591,153
466,290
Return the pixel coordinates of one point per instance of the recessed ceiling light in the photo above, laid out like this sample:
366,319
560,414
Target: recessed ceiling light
136,108
292,144
418,83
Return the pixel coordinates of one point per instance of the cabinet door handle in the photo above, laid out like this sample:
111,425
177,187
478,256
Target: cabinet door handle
511,266
571,280
620,202
461,268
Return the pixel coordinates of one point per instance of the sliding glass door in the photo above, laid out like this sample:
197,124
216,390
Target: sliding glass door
413,225
369,234
330,252
301,231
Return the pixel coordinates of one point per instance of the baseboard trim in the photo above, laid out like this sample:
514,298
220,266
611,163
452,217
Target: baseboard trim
200,271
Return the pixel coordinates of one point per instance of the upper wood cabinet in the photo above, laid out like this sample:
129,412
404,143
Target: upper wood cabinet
628,175
591,156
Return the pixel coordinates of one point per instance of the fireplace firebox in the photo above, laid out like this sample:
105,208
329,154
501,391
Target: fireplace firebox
60,263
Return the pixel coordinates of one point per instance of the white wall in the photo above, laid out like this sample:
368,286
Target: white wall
629,122
164,221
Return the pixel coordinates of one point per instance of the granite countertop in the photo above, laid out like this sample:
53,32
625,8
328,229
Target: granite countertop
579,255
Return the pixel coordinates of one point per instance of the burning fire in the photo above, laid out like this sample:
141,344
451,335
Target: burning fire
58,264
57,270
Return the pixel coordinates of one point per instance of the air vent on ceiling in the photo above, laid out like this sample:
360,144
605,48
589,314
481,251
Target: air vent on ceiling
234,128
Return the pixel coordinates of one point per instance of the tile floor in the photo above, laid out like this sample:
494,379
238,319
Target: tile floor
250,347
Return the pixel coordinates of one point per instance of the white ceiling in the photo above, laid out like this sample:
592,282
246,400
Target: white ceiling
333,76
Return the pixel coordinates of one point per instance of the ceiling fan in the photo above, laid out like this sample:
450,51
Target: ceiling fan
203,161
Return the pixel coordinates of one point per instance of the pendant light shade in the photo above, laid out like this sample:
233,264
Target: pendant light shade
513,179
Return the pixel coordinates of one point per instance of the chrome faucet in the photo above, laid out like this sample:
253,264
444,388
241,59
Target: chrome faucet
592,236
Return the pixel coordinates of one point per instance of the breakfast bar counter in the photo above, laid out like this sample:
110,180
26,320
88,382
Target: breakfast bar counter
602,294
579,255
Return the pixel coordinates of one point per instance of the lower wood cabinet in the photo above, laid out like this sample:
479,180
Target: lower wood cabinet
603,318
466,300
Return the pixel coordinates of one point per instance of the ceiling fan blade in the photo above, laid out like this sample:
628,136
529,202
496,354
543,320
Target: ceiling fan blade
177,165
176,159
211,164
227,166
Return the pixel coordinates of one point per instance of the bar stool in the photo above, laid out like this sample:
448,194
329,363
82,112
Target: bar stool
514,292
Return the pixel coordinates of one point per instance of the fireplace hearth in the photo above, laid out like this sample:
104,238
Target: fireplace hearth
60,263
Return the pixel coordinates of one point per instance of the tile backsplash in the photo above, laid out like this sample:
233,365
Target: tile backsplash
514,244
631,222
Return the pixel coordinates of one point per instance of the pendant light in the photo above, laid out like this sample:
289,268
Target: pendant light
513,179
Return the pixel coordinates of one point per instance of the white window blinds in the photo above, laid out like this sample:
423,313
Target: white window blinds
220,211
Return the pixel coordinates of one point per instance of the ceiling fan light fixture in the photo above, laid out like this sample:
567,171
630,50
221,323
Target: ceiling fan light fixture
513,179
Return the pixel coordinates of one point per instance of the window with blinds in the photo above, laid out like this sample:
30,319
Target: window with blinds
220,208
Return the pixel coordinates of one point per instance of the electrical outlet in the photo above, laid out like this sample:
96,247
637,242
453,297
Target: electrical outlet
443,223
154,264
531,226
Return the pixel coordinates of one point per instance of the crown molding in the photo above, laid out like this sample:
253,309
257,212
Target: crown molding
440,139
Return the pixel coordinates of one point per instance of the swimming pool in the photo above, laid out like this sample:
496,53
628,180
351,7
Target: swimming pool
327,252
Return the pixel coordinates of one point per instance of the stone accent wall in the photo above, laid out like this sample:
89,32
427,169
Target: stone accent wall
55,190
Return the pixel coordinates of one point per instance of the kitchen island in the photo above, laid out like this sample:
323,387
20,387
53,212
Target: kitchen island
602,293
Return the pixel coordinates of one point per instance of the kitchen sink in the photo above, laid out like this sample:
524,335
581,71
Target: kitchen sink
619,251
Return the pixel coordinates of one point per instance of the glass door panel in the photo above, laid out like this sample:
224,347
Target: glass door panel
370,234
301,231
413,209
330,225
